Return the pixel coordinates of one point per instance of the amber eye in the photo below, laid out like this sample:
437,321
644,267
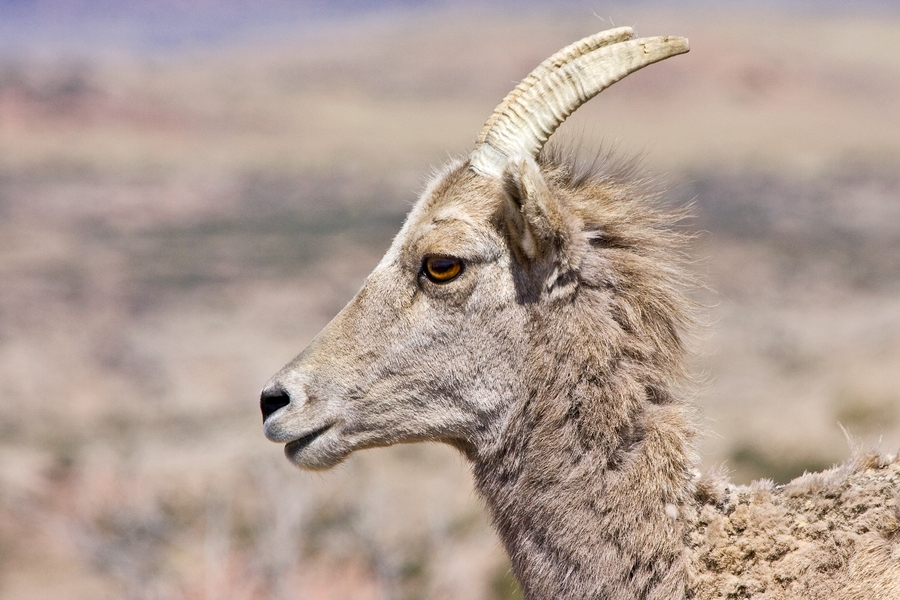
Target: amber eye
441,269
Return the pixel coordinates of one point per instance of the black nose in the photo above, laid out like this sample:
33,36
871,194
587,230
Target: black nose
271,400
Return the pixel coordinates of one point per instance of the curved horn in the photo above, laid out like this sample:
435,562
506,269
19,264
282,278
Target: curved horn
529,114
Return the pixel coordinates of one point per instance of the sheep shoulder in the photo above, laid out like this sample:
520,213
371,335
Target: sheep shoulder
834,534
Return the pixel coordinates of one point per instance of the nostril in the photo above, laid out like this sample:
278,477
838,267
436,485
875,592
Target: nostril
271,400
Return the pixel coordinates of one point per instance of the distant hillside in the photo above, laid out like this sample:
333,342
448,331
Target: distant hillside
43,26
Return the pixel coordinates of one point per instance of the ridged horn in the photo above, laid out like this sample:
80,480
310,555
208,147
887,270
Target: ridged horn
529,114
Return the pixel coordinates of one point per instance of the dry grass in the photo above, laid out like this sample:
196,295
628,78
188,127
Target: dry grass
174,228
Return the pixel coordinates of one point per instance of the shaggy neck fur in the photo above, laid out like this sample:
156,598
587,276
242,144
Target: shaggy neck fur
586,514
588,478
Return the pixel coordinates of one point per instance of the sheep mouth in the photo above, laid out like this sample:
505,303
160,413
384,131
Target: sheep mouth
302,442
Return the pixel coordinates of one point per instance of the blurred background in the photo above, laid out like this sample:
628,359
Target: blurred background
189,191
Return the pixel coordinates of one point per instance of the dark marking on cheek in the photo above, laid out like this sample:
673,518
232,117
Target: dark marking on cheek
657,395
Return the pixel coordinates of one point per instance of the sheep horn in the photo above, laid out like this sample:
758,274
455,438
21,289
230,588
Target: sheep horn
529,114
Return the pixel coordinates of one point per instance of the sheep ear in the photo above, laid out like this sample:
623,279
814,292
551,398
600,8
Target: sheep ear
540,226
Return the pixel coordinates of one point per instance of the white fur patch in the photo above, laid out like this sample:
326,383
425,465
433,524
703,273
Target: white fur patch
672,511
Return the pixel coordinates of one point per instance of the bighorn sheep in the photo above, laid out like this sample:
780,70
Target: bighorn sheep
532,317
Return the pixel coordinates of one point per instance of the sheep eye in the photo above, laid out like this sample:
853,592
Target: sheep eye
441,269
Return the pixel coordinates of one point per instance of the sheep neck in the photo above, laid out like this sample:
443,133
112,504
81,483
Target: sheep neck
586,482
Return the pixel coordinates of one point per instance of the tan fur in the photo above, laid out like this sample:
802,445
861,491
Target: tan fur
555,363
834,534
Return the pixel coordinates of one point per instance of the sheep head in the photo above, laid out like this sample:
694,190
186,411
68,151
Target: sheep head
435,344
